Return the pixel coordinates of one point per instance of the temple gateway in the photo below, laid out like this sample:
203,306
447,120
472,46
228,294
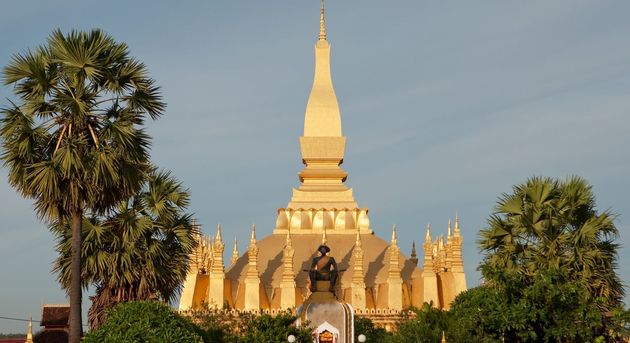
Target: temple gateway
374,276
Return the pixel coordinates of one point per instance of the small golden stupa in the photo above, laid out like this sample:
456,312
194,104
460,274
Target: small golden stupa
375,277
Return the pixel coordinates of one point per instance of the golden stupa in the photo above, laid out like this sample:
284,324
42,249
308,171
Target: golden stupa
376,278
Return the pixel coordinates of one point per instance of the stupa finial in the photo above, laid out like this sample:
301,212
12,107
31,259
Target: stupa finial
357,242
252,238
428,235
324,237
457,232
449,228
29,334
219,238
234,253
394,237
322,23
322,117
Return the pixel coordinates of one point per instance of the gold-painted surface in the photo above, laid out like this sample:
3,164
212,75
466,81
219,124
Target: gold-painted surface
252,279
322,147
215,296
377,279
322,117
287,281
29,334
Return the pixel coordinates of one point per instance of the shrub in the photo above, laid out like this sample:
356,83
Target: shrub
225,326
146,321
366,327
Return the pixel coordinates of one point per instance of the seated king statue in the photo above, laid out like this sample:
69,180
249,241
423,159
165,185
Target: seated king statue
323,268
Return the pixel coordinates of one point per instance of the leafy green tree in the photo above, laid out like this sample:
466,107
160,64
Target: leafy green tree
550,309
221,325
553,256
138,252
146,322
561,310
226,326
74,139
547,224
420,325
372,333
482,315
266,328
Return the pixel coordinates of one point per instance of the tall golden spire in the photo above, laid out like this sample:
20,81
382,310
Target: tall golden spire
322,24
457,232
219,238
357,284
252,279
394,278
287,280
322,111
218,247
234,252
322,147
428,251
358,242
449,228
394,237
29,335
252,238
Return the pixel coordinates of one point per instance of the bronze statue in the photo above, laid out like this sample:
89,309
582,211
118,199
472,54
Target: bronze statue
323,268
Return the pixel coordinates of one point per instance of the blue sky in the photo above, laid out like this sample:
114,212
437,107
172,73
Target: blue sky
445,105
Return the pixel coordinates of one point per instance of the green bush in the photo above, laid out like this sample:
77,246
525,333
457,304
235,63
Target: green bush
146,321
265,329
373,333
225,326
420,325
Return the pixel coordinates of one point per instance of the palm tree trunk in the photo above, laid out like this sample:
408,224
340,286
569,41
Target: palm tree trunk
75,320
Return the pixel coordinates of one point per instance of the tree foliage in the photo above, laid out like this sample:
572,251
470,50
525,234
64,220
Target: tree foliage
266,328
146,322
551,309
140,251
372,333
421,325
549,266
74,139
225,326
547,224
482,314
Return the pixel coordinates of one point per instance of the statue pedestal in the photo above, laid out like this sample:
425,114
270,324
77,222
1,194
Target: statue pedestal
332,321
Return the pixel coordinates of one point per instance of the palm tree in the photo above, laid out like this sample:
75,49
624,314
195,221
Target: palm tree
139,252
546,224
74,141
